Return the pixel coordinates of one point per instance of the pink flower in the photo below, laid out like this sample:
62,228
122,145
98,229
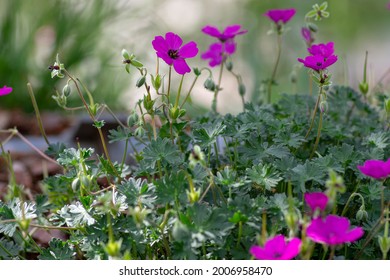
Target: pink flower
322,56
229,32
318,62
325,50
280,15
173,53
333,230
217,52
316,200
306,34
5,90
277,249
376,169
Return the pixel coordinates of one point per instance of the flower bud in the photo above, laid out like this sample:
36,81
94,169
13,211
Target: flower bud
384,244
113,248
148,103
387,106
174,113
229,65
363,88
209,84
180,232
324,106
197,72
313,27
66,91
241,89
76,184
132,119
193,196
362,214
140,82
156,82
139,214
139,132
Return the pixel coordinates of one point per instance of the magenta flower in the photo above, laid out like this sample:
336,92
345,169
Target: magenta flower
277,249
322,56
278,16
230,32
5,90
376,169
318,62
316,200
217,52
306,34
173,53
333,230
325,50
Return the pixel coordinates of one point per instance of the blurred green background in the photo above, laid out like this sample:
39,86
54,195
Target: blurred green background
89,36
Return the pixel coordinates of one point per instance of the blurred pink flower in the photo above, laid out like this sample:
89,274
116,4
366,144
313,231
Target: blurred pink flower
376,169
217,52
170,49
277,249
229,32
5,90
333,230
306,34
316,200
318,62
325,50
278,16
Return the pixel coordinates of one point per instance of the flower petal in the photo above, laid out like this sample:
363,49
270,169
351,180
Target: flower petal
232,30
230,47
259,253
159,44
292,249
212,31
188,50
5,90
173,41
181,66
168,60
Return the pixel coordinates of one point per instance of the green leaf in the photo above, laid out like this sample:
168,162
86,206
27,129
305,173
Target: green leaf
379,140
54,150
99,124
75,215
138,192
161,150
264,175
171,187
7,214
8,249
57,250
206,135
119,134
307,172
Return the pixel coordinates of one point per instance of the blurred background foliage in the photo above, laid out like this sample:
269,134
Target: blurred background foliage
89,36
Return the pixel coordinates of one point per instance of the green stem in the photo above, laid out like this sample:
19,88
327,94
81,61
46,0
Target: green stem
217,89
349,200
37,114
314,113
318,135
271,81
124,154
189,91
178,92
169,84
239,233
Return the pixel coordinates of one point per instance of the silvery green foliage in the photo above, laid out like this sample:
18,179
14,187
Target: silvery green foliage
75,215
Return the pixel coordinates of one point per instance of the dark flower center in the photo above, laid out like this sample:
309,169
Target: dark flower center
277,255
319,63
173,54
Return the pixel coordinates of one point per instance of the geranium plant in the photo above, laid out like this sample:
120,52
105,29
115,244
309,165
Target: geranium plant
256,185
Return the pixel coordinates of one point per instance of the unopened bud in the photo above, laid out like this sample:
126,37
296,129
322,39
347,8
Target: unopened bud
229,65
313,27
241,89
132,119
387,106
66,91
363,88
362,214
113,248
324,106
141,81
209,84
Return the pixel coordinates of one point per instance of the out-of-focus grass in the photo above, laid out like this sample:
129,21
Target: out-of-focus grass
33,32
